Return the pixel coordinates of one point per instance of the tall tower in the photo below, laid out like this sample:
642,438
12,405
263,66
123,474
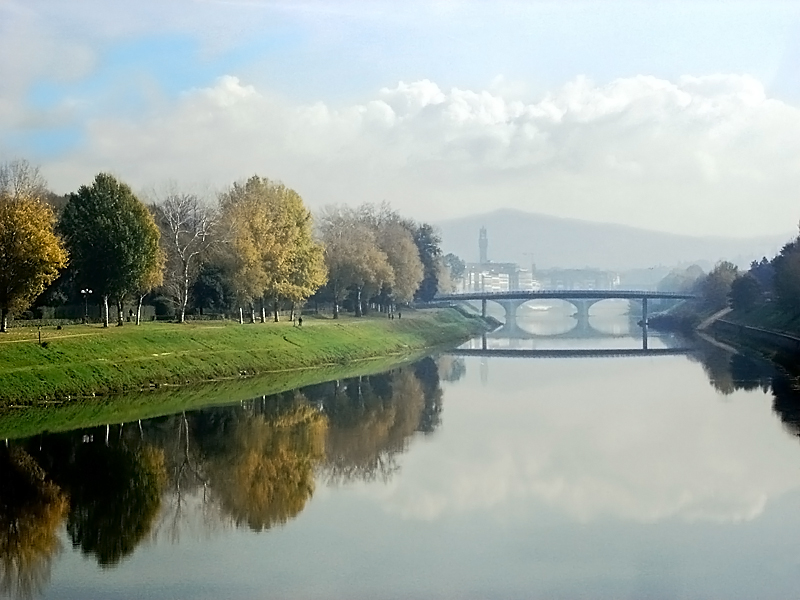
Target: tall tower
483,246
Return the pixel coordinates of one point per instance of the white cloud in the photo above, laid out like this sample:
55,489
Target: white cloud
701,154
640,450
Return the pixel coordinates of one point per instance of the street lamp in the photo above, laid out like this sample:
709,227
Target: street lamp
86,293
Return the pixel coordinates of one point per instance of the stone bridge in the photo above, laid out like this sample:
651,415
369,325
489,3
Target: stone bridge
582,300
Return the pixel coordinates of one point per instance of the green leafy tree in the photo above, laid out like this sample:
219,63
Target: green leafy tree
786,279
716,286
31,254
455,266
745,293
112,238
428,244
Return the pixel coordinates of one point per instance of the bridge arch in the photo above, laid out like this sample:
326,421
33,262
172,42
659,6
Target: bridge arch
511,308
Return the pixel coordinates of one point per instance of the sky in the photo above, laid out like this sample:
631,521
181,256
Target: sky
673,116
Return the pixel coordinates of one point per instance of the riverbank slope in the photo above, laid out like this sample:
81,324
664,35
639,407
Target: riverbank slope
86,360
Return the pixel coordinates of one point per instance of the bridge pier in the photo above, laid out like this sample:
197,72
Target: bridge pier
582,312
510,306
483,307
644,323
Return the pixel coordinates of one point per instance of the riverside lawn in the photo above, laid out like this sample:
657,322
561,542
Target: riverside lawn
85,360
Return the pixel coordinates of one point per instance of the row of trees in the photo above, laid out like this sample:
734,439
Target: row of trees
775,280
256,247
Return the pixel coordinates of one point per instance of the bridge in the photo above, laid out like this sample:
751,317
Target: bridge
582,300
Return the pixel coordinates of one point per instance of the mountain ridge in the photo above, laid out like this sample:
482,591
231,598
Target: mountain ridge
549,241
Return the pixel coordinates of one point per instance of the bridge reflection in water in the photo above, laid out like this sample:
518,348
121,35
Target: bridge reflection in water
499,343
568,353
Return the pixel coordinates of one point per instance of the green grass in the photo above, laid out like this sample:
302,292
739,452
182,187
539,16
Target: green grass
768,316
87,359
53,416
85,375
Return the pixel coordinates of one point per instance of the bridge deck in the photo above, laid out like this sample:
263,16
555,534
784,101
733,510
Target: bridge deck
565,295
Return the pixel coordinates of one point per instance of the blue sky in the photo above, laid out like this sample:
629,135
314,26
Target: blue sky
91,85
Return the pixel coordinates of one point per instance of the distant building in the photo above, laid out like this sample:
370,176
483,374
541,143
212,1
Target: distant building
488,276
578,279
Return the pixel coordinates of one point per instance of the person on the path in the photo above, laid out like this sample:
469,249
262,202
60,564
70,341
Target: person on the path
300,321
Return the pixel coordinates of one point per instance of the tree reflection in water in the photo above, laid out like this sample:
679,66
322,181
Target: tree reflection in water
729,371
251,465
262,472
32,508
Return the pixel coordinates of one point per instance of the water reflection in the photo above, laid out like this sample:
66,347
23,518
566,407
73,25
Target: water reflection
252,466
522,459
32,509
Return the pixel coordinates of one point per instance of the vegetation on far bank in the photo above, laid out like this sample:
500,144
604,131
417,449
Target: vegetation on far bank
767,295
86,359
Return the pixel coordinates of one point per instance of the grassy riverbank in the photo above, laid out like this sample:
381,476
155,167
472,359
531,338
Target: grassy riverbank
83,412
768,316
82,360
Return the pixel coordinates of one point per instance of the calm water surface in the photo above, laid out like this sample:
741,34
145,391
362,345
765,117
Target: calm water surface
458,477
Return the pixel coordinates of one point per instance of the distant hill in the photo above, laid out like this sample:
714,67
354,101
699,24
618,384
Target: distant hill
525,238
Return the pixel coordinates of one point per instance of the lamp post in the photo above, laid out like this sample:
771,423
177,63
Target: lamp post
86,293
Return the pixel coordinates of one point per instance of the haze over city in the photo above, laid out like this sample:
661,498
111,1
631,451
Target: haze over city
676,117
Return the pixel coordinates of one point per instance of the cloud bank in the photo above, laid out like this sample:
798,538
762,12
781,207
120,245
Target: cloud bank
704,155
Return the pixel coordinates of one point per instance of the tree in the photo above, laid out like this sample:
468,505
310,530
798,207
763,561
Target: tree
764,272
428,244
106,221
786,279
745,293
455,266
31,254
187,228
271,250
20,179
148,282
212,290
716,286
401,253
353,257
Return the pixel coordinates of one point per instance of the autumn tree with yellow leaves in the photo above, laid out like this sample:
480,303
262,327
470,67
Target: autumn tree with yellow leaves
31,254
270,248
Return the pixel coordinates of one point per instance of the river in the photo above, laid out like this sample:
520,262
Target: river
650,475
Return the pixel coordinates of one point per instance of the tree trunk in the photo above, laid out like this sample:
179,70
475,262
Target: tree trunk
120,317
139,309
292,313
4,321
252,312
241,316
275,309
105,310
263,311
184,293
359,311
335,301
